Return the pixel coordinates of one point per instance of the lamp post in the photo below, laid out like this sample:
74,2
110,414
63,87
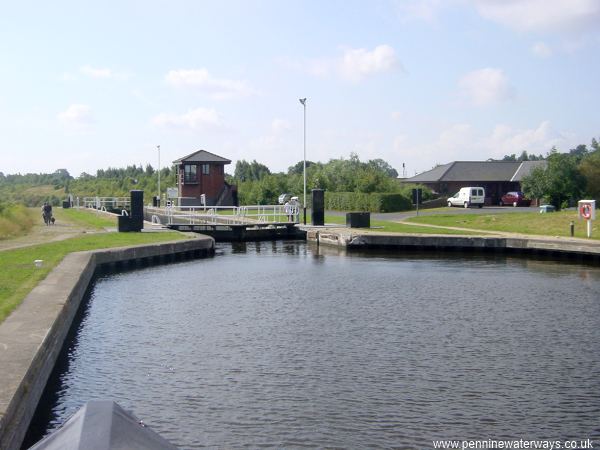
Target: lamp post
158,148
303,101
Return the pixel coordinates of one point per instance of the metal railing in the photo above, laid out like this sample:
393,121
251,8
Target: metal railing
106,203
227,215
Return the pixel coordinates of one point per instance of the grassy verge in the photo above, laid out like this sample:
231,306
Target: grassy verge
551,224
86,218
15,220
394,227
19,275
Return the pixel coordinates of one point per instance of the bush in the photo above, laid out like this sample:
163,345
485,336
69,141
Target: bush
375,202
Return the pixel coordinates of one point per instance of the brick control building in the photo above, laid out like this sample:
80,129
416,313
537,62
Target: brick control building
203,173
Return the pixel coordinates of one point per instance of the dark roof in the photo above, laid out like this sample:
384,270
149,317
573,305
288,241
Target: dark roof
468,171
202,156
526,167
481,171
432,175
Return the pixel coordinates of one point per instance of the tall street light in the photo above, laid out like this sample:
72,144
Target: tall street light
303,101
158,147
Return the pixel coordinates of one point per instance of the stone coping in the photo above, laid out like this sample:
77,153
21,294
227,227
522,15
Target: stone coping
356,239
32,336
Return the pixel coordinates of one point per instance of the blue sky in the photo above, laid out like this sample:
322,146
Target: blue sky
89,85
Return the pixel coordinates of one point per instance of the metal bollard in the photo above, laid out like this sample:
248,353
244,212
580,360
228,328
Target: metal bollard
572,228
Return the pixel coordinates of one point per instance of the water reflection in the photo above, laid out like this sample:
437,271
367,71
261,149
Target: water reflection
284,344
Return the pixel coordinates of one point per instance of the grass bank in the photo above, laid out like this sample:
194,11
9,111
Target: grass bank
395,227
15,220
86,218
18,274
550,224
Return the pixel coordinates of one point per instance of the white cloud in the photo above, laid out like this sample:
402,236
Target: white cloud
457,142
280,126
76,115
542,15
486,86
426,10
396,115
217,88
355,64
195,119
275,138
359,63
504,140
95,72
463,142
541,50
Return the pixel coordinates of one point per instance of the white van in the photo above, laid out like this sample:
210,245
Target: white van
468,196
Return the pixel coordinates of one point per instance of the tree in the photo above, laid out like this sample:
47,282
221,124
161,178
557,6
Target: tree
524,156
590,170
382,166
245,171
560,183
535,184
579,152
298,168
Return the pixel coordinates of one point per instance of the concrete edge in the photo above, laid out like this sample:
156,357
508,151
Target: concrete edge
32,336
355,240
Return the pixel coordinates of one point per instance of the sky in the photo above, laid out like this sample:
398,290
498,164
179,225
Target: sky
90,85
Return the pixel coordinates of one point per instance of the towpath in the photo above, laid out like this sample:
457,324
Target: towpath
61,230
40,233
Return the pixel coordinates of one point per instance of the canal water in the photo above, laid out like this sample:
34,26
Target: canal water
286,345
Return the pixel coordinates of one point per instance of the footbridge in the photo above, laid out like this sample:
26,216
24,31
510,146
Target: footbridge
230,223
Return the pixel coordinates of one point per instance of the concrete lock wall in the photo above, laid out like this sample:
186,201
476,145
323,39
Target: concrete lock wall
32,337
577,249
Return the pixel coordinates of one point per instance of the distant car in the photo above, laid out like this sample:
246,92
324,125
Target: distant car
514,198
284,198
467,197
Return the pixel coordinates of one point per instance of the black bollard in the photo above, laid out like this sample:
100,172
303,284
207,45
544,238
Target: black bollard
318,207
135,220
572,228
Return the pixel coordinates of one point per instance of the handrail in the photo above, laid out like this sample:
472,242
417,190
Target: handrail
104,203
226,215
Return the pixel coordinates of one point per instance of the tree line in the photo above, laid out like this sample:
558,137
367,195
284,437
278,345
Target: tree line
258,185
567,177
34,189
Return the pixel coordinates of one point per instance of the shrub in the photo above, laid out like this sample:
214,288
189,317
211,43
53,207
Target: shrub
374,202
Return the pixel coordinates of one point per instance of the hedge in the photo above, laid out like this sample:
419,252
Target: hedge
375,202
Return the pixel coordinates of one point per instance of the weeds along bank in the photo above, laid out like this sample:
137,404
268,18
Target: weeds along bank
15,220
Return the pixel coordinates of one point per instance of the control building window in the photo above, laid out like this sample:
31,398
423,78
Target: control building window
189,174
205,169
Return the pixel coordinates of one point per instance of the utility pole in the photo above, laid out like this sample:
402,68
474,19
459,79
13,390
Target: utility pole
158,147
303,101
